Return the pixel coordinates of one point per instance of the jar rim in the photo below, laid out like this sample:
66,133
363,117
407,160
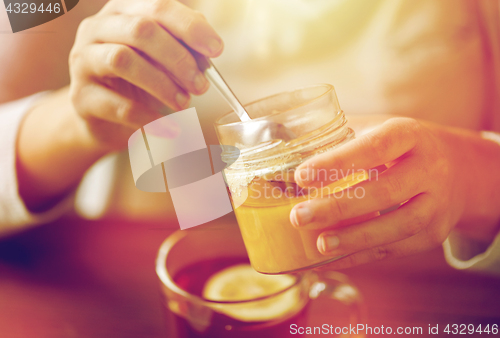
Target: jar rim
328,88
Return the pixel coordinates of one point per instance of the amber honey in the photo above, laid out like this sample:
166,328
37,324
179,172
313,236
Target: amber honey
273,244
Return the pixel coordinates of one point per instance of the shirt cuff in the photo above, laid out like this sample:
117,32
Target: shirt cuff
14,215
463,253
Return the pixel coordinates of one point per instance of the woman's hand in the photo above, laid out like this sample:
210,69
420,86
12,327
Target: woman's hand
438,176
128,61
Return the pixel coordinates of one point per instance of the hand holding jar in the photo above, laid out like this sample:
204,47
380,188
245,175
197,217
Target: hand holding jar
441,178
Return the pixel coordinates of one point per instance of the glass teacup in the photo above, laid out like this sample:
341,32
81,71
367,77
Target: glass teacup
210,290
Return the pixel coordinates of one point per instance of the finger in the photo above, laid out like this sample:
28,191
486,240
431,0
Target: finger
97,101
406,247
113,60
402,223
148,37
390,141
182,22
398,184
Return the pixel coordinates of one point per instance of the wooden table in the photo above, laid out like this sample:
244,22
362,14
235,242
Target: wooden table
76,278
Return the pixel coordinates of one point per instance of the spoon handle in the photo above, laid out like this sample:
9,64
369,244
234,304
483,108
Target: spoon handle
213,75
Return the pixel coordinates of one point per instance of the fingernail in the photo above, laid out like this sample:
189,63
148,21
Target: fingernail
164,127
328,243
200,82
182,99
301,216
214,45
303,176
170,129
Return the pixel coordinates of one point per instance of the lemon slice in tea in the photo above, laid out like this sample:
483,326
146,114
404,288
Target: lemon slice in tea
240,283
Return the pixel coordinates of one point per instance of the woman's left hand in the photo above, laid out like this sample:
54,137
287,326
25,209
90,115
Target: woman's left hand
432,174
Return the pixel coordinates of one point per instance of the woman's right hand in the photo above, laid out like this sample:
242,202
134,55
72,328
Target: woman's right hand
128,62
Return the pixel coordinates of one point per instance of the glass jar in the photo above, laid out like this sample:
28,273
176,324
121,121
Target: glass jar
261,180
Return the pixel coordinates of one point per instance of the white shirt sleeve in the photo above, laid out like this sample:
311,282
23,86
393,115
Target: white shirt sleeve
462,253
14,215
457,252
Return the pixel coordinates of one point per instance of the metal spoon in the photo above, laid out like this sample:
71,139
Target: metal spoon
265,131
